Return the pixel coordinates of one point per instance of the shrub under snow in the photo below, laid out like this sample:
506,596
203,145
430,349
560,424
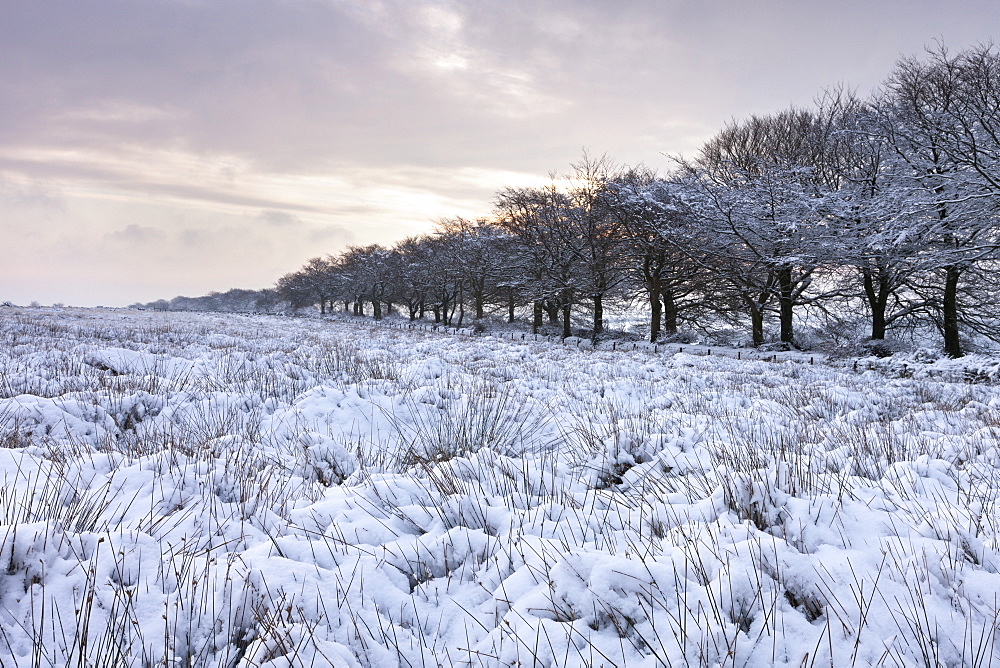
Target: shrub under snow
189,490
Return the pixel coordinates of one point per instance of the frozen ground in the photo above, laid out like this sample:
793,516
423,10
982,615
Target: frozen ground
192,490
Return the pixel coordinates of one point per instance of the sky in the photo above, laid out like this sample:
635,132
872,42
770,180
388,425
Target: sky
154,148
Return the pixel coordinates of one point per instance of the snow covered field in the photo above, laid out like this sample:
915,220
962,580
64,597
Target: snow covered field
196,490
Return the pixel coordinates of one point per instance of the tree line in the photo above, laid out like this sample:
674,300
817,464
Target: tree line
884,206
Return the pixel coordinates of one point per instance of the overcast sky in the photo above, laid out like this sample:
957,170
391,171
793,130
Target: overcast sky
151,148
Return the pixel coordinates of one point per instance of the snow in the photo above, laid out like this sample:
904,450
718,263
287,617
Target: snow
185,489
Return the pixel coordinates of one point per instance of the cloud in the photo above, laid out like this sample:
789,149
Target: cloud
136,235
280,219
29,193
117,112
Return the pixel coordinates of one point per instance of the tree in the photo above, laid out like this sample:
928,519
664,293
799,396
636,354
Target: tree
365,275
411,270
475,251
758,191
600,245
653,225
540,220
880,252
313,284
941,119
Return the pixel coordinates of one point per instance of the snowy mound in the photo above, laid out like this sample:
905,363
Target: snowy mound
191,490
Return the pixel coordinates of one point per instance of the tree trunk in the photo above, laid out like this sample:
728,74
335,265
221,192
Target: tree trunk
322,306
949,307
757,326
347,306
510,310
598,316
567,329
536,321
377,309
655,314
480,307
756,320
553,310
669,312
785,303
878,299
437,314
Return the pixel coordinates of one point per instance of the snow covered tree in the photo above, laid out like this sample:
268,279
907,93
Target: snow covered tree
599,242
476,250
942,119
880,253
763,211
315,283
366,275
548,246
411,265
653,225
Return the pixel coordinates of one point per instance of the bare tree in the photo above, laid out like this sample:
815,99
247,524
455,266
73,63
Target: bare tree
540,220
312,284
653,224
366,276
599,243
477,252
758,189
941,121
879,253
